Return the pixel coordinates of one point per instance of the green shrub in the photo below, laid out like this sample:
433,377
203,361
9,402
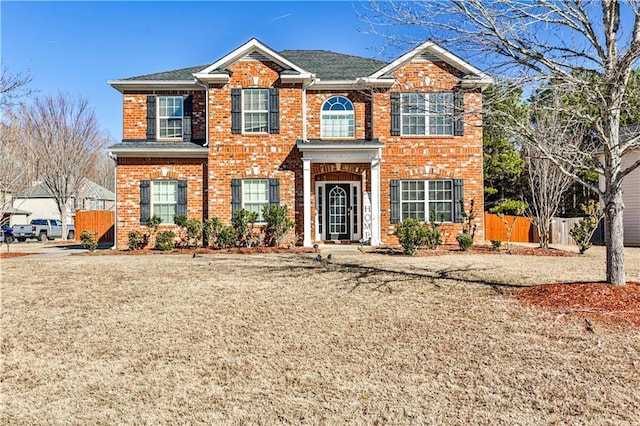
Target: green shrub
243,221
465,241
89,240
496,244
137,240
468,227
165,240
153,223
226,237
278,224
583,231
194,232
412,234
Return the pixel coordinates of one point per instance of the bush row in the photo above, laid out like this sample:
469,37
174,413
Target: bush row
193,233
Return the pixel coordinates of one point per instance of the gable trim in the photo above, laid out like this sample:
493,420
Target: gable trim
480,78
250,47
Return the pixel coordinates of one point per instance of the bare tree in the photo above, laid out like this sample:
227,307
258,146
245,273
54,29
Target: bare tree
584,48
549,127
14,172
64,138
14,86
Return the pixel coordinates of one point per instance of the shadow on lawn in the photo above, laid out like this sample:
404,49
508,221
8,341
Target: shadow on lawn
356,276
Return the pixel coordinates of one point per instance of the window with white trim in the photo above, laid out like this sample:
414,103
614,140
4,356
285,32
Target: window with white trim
427,200
255,110
164,199
255,195
170,115
426,113
337,118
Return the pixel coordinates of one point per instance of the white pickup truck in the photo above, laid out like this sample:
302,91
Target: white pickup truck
43,230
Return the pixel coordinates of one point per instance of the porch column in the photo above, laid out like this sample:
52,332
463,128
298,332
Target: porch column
306,203
375,202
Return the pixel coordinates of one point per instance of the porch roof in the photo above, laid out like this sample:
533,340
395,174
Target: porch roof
350,150
159,149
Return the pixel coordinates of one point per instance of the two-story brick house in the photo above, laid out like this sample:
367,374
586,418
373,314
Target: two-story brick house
352,145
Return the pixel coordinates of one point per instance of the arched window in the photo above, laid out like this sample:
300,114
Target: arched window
337,118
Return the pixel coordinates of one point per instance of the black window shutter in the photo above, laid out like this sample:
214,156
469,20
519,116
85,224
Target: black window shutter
145,201
274,111
181,208
395,114
394,186
236,195
187,120
151,118
274,192
236,111
458,113
458,200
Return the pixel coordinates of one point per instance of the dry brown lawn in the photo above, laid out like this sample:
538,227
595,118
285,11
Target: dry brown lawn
285,339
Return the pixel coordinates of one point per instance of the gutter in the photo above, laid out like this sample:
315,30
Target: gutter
114,157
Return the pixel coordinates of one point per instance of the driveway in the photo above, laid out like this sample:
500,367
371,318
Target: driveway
46,250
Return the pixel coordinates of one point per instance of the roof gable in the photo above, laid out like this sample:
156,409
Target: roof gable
89,189
253,49
430,50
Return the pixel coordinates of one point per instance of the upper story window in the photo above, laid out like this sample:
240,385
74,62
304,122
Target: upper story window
426,113
255,108
170,117
255,111
337,118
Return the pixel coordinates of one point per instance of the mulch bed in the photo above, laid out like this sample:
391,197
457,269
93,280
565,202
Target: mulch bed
606,303
234,250
8,255
447,249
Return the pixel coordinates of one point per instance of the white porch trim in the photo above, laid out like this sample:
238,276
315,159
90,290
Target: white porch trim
341,152
306,186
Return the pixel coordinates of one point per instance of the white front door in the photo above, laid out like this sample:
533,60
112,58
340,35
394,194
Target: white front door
338,210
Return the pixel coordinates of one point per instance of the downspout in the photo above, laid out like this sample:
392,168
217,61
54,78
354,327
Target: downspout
206,111
114,157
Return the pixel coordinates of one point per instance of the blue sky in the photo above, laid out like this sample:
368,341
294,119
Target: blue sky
75,47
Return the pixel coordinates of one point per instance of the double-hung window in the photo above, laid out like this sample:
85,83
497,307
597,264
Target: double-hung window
255,195
427,200
426,113
170,116
255,108
337,118
164,199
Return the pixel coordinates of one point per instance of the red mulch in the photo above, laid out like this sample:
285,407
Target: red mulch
235,250
478,249
7,255
610,304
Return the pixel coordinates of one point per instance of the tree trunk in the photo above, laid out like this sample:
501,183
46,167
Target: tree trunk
614,238
63,219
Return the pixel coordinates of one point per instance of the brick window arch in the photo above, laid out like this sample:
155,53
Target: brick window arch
337,118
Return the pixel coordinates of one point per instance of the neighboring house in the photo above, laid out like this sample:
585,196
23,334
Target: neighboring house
631,200
12,216
352,145
42,205
631,192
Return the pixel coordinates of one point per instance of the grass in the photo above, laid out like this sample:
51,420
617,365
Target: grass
284,339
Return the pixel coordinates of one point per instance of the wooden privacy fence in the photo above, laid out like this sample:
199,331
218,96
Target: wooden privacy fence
100,221
523,230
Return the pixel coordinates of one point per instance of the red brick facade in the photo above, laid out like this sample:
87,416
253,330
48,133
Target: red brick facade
262,156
